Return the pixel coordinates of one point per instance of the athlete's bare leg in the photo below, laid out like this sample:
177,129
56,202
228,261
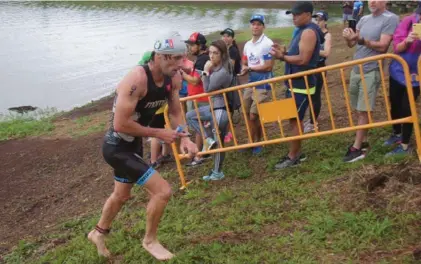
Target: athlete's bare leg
160,193
111,208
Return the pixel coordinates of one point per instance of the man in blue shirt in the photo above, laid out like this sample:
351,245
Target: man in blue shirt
357,12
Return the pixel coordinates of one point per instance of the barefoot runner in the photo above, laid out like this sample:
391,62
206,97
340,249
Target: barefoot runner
139,95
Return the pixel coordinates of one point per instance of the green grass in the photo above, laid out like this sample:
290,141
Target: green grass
257,216
23,127
80,130
245,35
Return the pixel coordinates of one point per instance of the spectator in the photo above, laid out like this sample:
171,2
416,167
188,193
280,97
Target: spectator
303,55
217,74
373,37
234,52
258,63
358,10
325,47
406,44
198,48
348,7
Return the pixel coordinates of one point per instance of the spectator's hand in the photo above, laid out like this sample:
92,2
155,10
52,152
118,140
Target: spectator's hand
349,34
278,51
208,66
187,144
412,37
244,71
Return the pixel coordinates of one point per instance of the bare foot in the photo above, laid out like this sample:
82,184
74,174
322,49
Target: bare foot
157,250
98,240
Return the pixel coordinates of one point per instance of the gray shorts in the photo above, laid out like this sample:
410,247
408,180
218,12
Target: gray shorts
372,81
347,17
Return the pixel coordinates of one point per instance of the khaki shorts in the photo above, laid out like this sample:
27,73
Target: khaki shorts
250,100
356,92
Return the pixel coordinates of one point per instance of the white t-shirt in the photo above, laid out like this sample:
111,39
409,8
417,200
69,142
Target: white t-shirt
256,54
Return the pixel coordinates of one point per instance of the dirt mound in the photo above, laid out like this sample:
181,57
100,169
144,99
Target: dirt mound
46,181
394,188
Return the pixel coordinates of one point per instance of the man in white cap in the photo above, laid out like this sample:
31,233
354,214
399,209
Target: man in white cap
138,96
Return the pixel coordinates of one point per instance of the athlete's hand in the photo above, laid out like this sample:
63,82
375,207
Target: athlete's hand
167,135
187,144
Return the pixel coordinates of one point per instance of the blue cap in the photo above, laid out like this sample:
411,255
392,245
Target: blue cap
322,14
257,17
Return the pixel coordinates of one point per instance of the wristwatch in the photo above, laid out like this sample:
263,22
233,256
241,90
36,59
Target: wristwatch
361,41
249,69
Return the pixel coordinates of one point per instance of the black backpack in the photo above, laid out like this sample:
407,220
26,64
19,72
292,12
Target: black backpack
233,97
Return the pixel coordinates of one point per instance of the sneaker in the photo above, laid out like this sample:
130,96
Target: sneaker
287,162
214,176
392,140
398,151
195,162
353,155
257,150
308,127
210,143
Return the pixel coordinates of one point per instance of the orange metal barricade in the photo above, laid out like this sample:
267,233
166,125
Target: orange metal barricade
277,111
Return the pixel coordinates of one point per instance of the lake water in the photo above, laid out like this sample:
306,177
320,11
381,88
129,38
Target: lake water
65,54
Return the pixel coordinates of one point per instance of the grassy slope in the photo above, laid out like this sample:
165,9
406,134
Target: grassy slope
319,212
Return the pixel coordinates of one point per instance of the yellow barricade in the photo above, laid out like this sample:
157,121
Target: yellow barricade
280,110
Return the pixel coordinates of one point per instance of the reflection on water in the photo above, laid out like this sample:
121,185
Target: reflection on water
64,54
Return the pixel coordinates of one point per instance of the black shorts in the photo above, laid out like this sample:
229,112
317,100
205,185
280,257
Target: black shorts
127,162
158,121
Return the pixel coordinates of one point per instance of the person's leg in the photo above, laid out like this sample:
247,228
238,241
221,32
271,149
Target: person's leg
193,122
160,193
293,157
248,101
110,210
155,150
396,94
406,111
317,98
222,121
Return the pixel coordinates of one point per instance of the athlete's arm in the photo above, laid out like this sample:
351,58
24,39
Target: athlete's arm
129,91
307,44
174,110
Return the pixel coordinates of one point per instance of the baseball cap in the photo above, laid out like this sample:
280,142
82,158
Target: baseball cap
300,7
321,14
145,58
257,17
196,38
170,44
228,31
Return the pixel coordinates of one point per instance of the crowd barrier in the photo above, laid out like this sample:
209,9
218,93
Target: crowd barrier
279,110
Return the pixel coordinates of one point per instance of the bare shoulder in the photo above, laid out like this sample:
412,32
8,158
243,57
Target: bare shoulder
134,83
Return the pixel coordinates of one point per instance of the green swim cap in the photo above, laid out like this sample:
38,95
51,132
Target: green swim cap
145,58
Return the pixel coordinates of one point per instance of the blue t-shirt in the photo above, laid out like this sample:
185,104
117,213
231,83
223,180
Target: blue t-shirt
357,7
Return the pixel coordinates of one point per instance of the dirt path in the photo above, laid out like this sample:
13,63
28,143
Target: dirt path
46,181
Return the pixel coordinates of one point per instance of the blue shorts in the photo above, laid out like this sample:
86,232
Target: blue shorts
301,101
